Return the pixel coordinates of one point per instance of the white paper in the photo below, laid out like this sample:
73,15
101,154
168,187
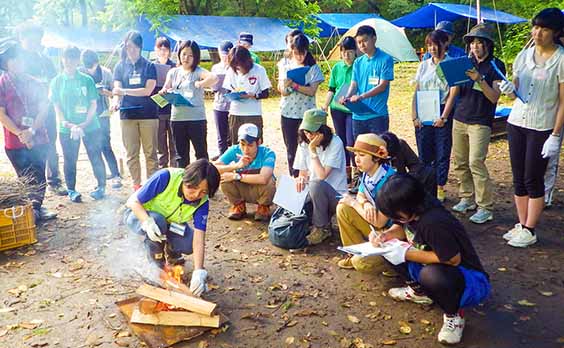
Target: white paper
428,106
367,249
287,197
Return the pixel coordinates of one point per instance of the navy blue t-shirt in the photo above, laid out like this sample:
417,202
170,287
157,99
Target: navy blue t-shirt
136,76
157,184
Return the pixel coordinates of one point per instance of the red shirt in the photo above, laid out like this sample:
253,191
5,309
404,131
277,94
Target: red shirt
21,98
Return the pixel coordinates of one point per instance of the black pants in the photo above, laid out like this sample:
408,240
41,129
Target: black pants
527,164
106,143
222,127
186,132
31,162
165,147
342,121
290,128
91,141
444,284
52,157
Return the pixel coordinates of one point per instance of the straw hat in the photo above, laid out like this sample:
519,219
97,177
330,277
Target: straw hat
371,144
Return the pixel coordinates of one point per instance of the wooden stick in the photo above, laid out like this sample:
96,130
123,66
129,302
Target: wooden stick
148,306
173,318
193,304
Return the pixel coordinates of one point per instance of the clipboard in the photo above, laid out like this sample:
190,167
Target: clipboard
175,99
234,96
428,104
298,75
454,70
359,108
134,107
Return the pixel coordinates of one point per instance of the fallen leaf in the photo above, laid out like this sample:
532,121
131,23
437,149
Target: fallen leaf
353,319
404,328
112,315
306,313
123,334
324,323
333,333
425,322
29,326
373,304
290,340
3,332
389,342
502,269
389,274
546,293
526,303
292,323
203,344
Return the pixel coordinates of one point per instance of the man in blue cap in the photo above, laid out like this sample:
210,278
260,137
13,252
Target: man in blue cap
452,51
246,40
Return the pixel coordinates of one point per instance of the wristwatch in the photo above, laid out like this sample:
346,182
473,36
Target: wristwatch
237,177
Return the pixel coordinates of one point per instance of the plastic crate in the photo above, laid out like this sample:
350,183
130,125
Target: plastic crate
17,227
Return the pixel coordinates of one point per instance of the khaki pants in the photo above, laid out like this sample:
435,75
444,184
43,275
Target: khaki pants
470,147
236,191
136,134
352,227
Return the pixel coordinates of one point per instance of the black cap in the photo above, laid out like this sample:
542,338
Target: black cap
246,37
225,46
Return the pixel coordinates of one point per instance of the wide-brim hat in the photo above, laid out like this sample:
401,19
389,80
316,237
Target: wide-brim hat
481,31
371,144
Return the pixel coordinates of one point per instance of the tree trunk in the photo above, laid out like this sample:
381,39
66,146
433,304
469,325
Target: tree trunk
183,7
83,12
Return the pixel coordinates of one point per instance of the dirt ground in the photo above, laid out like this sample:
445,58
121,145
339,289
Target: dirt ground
61,291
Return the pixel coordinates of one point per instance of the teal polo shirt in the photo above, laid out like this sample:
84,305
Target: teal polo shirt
73,94
367,72
341,74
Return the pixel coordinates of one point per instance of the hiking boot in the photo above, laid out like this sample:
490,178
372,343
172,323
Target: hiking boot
481,216
441,194
464,205
58,190
318,234
512,232
408,294
262,213
116,182
173,258
237,211
453,326
98,193
74,196
523,238
346,263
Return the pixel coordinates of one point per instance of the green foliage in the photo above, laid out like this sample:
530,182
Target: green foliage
14,12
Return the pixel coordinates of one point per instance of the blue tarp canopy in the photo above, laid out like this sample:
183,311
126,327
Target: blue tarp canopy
427,16
340,22
91,38
209,31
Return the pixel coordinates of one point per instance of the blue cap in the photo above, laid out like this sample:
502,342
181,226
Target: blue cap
246,37
225,46
445,26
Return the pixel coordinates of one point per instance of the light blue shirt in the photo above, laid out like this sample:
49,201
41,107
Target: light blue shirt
368,73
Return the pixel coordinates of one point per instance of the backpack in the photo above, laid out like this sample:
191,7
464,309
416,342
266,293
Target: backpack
289,231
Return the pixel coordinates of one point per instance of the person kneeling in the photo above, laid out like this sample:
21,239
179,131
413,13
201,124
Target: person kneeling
358,217
247,174
162,208
320,160
438,258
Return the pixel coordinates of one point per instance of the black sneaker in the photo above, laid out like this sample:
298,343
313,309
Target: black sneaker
46,215
58,190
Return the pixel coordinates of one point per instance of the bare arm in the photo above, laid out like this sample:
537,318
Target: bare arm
308,90
209,79
198,248
328,100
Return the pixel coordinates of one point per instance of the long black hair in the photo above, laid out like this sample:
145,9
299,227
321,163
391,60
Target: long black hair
301,44
195,53
323,129
135,38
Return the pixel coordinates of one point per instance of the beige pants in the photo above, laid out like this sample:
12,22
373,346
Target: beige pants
352,227
470,146
136,134
236,192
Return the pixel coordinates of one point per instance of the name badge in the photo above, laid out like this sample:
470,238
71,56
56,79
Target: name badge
177,228
81,109
374,81
27,121
135,79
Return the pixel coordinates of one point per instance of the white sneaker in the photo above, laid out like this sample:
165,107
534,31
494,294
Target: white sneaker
407,294
451,332
523,239
512,232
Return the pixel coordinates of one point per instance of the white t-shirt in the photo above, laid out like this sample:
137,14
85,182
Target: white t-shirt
255,81
333,156
429,80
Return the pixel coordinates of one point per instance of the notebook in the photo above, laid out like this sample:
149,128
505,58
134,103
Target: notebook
454,70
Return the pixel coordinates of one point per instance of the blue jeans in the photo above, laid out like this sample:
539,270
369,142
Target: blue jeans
91,141
434,146
106,144
344,129
377,125
177,243
31,163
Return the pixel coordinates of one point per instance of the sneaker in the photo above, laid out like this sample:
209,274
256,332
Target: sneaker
318,234
237,211
451,332
262,213
523,238
346,263
512,232
441,195
98,193
481,216
45,214
407,294
58,190
464,205
74,196
116,182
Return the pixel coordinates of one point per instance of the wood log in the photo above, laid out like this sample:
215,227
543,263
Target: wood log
175,318
148,306
193,304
